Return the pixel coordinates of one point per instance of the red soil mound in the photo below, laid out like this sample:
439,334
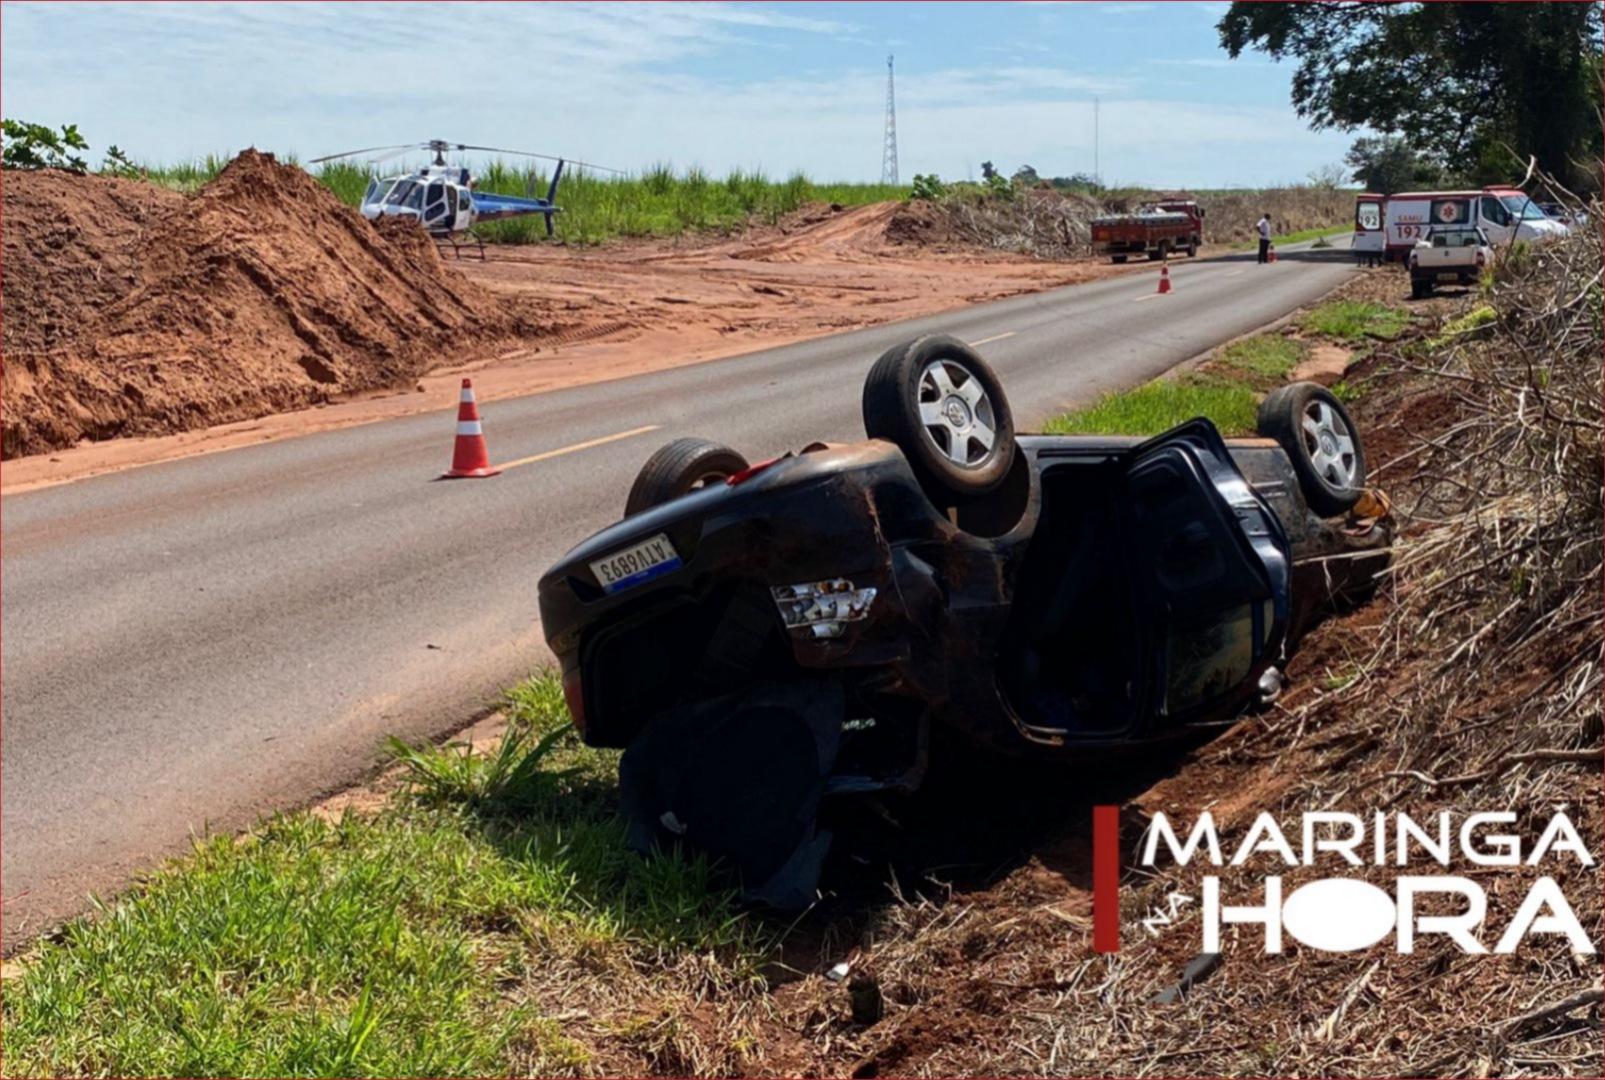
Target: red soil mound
141,312
71,249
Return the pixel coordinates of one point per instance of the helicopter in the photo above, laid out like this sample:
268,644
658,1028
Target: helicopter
442,198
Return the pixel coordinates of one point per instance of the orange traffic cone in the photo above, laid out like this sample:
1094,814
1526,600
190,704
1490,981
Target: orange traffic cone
1270,254
470,457
1164,280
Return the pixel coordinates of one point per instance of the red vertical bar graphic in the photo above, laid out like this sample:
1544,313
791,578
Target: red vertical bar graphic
1106,879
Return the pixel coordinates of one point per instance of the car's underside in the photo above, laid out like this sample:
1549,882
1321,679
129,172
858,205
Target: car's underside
819,620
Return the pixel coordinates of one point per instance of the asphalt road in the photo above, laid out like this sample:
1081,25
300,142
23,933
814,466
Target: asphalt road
192,644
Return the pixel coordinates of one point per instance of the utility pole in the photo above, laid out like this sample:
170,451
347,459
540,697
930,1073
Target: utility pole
1097,174
889,146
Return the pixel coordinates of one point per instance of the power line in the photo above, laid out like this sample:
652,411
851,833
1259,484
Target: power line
889,146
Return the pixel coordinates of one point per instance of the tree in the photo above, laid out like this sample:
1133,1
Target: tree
1461,81
1025,176
35,146
1388,163
117,163
987,170
927,187
1329,176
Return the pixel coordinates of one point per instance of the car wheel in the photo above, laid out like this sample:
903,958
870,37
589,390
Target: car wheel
1192,249
1315,429
1117,258
678,468
944,408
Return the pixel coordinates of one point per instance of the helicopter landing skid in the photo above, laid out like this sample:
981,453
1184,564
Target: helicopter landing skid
446,238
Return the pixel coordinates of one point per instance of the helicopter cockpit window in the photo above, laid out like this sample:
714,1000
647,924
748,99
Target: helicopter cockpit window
398,194
378,190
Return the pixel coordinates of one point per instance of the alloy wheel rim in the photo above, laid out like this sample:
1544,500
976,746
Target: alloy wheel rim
1330,445
957,414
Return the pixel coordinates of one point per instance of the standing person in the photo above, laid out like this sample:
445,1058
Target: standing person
1264,227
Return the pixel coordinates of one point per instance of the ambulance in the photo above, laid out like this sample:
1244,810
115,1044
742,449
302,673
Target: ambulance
1503,213
1368,236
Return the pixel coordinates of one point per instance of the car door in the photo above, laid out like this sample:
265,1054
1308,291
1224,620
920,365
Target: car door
1495,219
1210,562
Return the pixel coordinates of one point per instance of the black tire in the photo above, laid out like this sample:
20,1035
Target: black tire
1192,248
678,468
1117,258
1155,254
892,394
1333,480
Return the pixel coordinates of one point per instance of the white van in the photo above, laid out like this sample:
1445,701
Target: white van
1503,213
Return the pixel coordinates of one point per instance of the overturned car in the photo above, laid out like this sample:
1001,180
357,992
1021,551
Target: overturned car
762,638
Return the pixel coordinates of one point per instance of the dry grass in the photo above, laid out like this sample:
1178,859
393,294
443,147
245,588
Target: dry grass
1049,224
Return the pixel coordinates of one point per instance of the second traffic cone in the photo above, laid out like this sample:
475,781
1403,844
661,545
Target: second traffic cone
1164,279
1270,254
469,457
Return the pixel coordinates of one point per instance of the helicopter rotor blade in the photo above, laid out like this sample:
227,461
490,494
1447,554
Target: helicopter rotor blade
366,150
544,157
392,155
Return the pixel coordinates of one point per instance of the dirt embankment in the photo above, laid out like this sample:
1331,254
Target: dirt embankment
72,249
262,295
134,311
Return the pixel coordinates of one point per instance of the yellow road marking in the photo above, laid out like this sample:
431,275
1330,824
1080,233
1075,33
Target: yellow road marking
994,337
586,445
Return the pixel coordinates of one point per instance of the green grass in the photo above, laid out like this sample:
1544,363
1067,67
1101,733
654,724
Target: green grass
658,201
1162,404
402,943
1225,393
1263,357
1354,320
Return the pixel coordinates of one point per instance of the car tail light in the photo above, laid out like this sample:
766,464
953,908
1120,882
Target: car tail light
822,608
574,695
750,471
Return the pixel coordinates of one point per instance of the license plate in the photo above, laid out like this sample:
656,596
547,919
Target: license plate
642,562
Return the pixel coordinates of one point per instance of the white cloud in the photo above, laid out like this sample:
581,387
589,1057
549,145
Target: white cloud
618,84
1214,62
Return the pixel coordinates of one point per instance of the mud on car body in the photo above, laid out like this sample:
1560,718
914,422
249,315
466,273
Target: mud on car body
762,638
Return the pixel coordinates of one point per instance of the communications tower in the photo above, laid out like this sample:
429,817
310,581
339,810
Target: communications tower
889,147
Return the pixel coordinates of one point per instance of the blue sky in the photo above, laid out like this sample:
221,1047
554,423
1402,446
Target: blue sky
777,86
